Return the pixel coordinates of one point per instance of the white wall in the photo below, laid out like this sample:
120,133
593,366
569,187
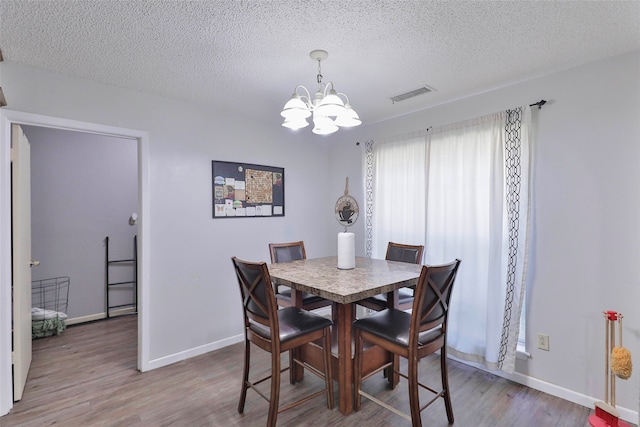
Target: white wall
84,187
586,227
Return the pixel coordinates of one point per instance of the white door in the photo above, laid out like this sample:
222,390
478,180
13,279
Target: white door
21,251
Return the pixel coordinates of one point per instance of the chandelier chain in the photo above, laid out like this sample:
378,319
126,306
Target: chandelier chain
319,76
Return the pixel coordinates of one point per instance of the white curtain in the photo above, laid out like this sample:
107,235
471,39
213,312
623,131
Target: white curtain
400,216
462,191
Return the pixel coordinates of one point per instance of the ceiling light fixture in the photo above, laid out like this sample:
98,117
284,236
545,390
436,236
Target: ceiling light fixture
328,109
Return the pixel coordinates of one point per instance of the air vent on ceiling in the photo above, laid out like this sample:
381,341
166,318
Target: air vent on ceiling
420,91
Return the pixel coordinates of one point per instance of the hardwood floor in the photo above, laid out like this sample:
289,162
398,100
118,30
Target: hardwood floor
88,377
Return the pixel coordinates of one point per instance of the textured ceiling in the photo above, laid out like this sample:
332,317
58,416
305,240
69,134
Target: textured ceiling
247,56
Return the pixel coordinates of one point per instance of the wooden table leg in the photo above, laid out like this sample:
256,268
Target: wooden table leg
393,300
344,376
296,372
296,298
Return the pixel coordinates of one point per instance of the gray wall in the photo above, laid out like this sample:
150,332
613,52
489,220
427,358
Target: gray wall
84,188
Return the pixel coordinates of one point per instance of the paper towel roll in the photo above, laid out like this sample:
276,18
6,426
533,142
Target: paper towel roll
346,251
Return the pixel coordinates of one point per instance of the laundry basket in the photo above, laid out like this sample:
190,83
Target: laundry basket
49,301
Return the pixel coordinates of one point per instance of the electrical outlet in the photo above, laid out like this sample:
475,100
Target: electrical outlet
543,342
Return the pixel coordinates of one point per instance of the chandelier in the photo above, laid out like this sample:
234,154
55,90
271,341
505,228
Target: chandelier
327,107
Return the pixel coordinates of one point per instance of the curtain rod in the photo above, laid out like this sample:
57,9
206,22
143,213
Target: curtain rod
539,103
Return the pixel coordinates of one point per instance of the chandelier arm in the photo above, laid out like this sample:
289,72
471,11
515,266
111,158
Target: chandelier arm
326,88
304,95
345,97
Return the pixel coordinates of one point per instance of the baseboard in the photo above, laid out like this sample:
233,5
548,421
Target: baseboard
99,316
193,352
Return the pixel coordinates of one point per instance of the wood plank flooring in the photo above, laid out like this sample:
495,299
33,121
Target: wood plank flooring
88,377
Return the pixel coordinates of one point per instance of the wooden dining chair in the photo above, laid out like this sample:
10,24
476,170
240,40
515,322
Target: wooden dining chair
293,251
413,336
277,331
403,253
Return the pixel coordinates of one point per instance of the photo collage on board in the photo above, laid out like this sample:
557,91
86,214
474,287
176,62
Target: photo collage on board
245,190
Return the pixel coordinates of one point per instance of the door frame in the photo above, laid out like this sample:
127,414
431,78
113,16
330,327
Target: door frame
9,117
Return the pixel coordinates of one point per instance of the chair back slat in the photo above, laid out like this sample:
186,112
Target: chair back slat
258,300
285,252
432,296
404,253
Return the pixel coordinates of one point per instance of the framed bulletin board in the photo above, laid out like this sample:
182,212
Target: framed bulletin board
247,190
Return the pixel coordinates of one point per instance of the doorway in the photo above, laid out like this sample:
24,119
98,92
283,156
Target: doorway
83,191
7,118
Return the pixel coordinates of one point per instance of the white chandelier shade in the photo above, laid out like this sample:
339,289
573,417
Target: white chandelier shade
330,112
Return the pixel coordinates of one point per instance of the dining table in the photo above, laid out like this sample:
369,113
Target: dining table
344,287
